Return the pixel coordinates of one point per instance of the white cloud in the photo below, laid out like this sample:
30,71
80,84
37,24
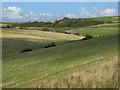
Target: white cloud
31,16
108,12
84,12
105,12
14,9
71,15
12,13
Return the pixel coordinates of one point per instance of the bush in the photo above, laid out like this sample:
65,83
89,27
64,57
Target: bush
53,44
26,50
50,45
68,28
9,26
45,29
21,27
76,34
109,22
87,37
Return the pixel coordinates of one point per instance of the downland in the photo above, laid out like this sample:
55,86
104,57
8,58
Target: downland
72,63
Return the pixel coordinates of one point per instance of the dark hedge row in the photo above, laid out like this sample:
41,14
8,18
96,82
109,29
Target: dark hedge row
65,22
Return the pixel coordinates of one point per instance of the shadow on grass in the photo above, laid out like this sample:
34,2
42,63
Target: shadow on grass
12,47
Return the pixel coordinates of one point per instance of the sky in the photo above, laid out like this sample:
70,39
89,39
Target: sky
51,11
60,0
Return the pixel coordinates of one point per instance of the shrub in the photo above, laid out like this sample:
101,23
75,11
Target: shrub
26,50
76,34
21,27
45,29
50,45
87,37
9,26
109,22
53,44
68,28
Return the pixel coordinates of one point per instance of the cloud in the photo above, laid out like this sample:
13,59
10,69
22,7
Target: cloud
31,16
108,12
96,13
14,9
12,13
71,15
84,12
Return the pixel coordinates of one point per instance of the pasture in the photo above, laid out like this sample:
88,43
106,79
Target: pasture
89,63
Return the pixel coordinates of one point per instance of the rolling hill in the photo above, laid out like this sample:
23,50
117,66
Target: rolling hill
89,63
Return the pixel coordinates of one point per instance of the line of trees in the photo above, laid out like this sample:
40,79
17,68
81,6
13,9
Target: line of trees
65,22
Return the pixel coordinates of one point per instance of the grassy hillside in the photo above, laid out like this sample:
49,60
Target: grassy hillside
90,63
110,18
99,30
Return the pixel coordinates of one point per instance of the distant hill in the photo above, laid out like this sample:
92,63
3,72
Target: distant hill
67,22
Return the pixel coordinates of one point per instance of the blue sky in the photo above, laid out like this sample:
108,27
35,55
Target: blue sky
60,0
50,11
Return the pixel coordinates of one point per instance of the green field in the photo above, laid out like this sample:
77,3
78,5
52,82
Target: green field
90,63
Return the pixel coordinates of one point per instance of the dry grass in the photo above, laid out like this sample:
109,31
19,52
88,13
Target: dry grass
39,35
103,74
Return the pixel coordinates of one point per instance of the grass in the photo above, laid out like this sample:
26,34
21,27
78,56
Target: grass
96,75
32,39
99,30
44,35
96,30
110,18
69,64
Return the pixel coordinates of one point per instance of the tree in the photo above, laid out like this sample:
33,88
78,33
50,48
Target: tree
9,26
35,22
45,29
66,18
